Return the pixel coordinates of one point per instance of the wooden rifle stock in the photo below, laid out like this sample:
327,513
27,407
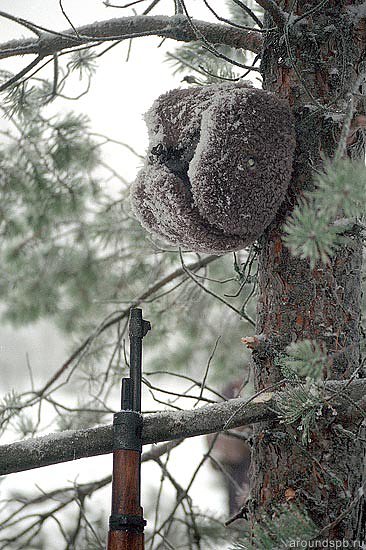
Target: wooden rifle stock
126,523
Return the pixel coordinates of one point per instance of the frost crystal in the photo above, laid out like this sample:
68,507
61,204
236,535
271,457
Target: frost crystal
218,166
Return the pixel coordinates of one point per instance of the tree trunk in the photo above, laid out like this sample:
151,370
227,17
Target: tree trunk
314,65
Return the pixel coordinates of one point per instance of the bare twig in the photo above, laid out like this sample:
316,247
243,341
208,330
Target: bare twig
150,7
250,12
124,6
312,10
21,73
204,379
208,44
68,19
34,27
224,20
116,318
240,313
25,506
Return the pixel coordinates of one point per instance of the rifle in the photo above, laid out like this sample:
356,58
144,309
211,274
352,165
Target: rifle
126,523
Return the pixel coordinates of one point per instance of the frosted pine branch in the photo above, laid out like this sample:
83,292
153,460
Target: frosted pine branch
163,426
176,27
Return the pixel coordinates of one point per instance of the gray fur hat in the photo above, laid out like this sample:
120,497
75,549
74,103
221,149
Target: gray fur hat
218,166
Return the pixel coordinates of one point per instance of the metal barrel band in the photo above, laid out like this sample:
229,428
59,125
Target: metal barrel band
126,522
127,430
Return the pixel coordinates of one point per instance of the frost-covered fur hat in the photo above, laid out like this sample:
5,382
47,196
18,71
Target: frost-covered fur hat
218,166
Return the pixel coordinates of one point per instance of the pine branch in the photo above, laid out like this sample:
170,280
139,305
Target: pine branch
278,529
158,427
175,27
162,426
318,224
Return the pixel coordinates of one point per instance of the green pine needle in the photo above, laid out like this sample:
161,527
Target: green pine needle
277,531
303,359
301,404
342,187
84,61
309,235
313,231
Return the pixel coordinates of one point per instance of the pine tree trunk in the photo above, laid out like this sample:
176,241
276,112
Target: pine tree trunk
314,65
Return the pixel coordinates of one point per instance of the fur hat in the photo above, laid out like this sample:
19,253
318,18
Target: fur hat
218,166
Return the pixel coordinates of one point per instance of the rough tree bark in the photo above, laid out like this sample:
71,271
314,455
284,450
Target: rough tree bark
314,64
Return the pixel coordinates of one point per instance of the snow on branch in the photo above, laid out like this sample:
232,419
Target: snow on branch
176,27
165,426
161,426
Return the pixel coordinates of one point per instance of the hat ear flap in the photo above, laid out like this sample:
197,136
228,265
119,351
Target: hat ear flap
165,208
174,118
242,165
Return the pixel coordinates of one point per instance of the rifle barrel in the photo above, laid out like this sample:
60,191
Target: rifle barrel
138,328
